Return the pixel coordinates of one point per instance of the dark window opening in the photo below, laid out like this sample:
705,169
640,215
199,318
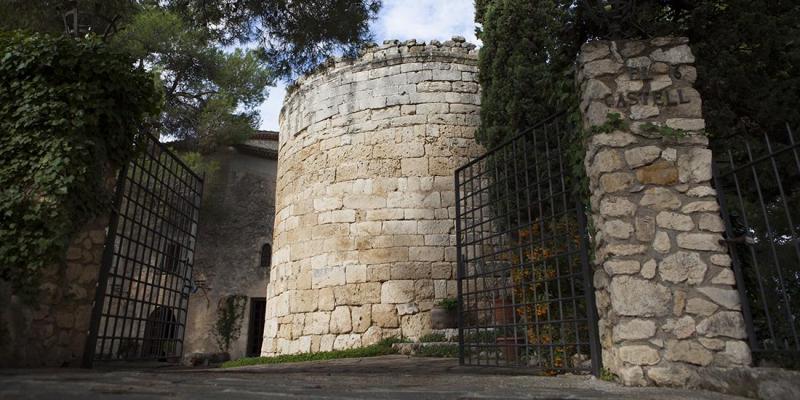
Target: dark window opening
172,257
258,308
266,255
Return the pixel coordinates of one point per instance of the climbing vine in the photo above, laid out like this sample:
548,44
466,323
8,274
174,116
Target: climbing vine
228,327
70,112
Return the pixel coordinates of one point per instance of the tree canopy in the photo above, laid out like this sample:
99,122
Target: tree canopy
747,51
211,91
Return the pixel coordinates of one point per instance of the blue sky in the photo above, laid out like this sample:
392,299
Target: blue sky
424,20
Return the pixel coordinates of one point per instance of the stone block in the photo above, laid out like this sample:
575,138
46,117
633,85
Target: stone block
688,351
639,355
317,323
683,266
362,318
340,321
636,297
660,172
700,241
400,291
723,324
639,156
618,229
385,315
635,329
611,206
328,276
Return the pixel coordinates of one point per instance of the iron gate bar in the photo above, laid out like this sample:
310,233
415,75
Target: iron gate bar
768,343
141,298
485,192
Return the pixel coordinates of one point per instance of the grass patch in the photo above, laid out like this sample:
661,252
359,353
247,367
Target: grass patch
381,348
433,337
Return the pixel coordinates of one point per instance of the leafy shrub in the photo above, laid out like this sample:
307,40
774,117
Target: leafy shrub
69,110
449,304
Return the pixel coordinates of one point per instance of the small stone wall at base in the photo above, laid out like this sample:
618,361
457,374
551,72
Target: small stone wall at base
53,332
664,284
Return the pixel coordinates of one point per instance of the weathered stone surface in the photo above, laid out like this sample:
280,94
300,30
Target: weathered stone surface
362,318
645,227
593,50
613,139
723,260
317,323
616,181
637,297
340,320
612,206
737,353
639,355
653,293
701,191
727,324
625,249
683,266
649,269
397,291
606,161
659,198
700,206
621,267
643,112
674,375
682,328
700,241
700,307
710,222
632,376
675,221
601,67
728,298
638,156
385,315
724,277
662,242
660,172
618,229
688,351
694,165
681,54
634,329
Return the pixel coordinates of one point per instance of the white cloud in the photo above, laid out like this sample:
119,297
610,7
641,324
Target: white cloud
424,20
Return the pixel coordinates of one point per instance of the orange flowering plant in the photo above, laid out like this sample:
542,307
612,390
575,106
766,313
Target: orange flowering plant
545,265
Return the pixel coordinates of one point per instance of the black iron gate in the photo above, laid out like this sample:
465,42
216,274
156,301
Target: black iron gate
524,283
758,183
143,289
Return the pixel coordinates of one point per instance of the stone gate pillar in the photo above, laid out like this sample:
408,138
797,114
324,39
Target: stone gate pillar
665,289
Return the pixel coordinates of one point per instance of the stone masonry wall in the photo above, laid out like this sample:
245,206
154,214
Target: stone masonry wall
364,231
664,285
53,332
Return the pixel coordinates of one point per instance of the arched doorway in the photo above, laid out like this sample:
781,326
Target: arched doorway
161,334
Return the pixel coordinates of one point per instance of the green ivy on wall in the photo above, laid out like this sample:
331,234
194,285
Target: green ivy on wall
69,110
228,327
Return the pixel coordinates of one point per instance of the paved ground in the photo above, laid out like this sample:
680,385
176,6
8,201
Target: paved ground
389,377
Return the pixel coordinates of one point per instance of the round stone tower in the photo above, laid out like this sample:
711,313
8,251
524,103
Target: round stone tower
364,240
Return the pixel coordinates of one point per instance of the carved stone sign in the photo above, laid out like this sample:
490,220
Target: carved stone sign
666,97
